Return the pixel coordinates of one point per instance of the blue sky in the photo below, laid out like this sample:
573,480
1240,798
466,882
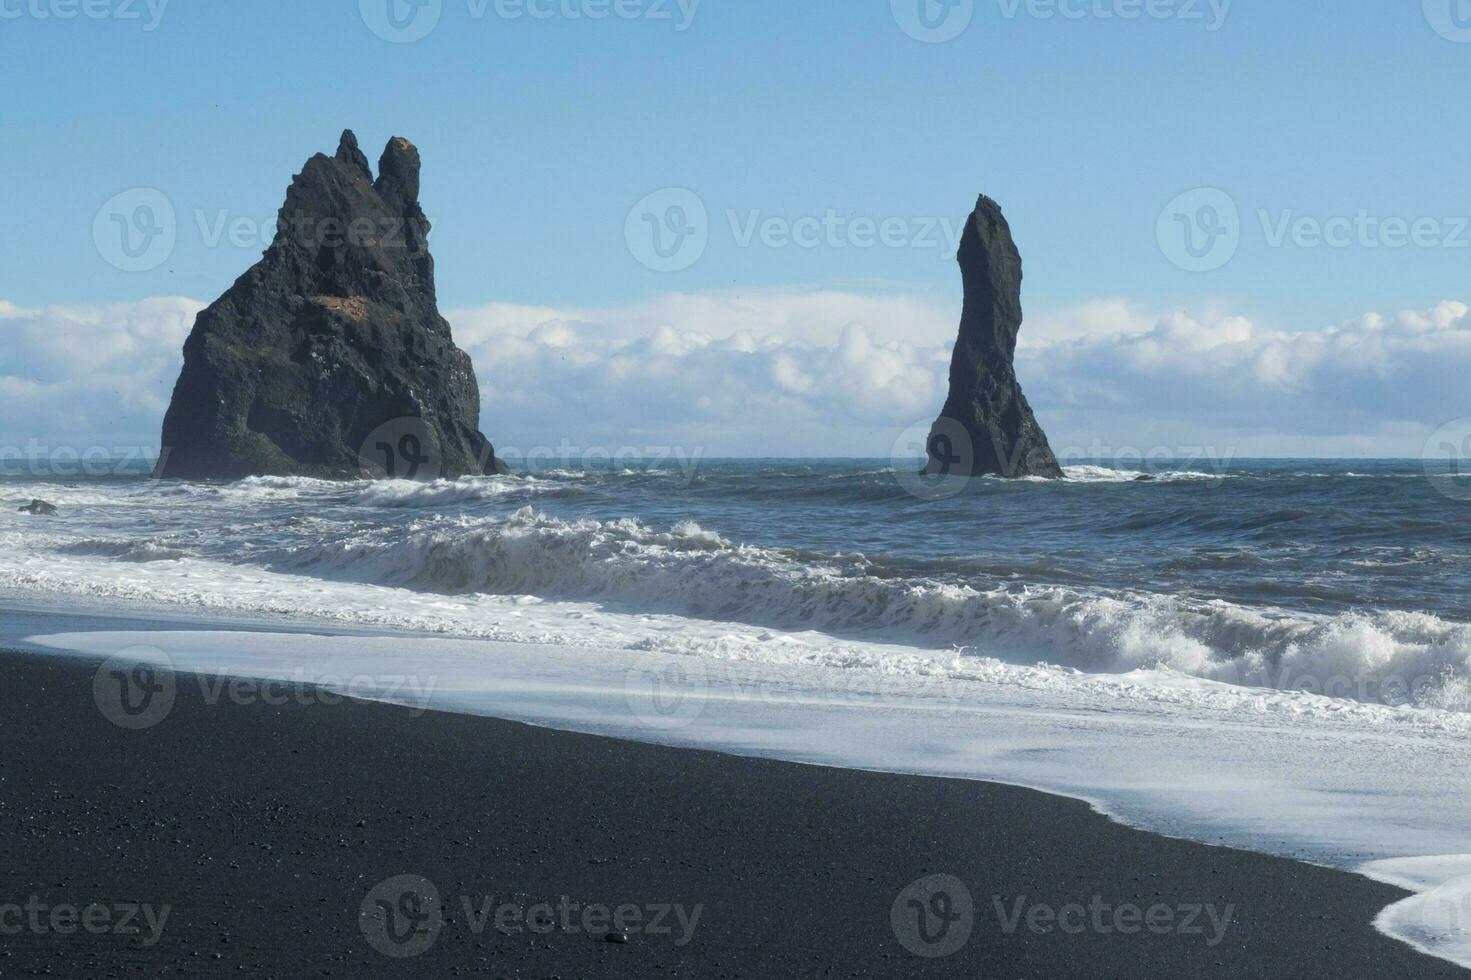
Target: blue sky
539,135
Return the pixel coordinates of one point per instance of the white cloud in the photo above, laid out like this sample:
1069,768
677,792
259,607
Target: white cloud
808,315
86,377
793,373
817,372
1374,385
767,372
1097,319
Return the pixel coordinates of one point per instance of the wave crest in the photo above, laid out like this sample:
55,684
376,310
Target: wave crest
1395,658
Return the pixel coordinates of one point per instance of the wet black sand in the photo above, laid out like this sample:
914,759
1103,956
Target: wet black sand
264,828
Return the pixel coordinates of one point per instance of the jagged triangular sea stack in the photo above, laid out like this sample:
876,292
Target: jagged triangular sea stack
329,357
987,427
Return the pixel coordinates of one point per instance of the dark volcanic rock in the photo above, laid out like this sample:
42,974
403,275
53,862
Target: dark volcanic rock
329,358
987,427
39,508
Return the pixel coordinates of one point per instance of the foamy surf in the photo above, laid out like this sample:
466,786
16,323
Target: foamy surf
608,582
1088,473
1437,919
380,554
1391,657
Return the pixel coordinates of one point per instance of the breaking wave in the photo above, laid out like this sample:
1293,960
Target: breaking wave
443,493
1387,657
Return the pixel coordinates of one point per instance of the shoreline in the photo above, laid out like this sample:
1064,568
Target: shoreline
264,828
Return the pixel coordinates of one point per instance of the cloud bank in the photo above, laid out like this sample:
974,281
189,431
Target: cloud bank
84,377
796,372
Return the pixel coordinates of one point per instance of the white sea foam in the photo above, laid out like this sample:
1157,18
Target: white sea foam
441,493
1437,918
276,487
1088,473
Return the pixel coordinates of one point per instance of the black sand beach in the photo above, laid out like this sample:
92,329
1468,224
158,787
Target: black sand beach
261,830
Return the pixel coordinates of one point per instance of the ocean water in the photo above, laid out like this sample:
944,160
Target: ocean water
1345,578
1268,654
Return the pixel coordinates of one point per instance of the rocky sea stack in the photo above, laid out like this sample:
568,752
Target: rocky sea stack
987,428
329,358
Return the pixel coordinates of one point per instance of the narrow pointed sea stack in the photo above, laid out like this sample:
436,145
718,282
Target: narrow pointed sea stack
987,427
329,358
